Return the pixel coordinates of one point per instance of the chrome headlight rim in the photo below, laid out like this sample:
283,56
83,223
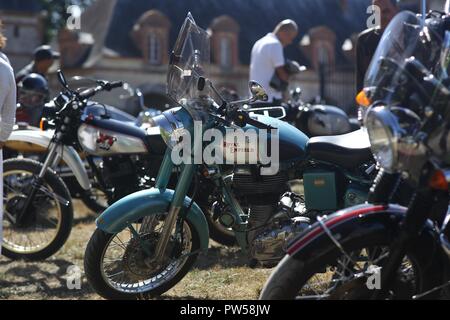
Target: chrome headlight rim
170,128
393,131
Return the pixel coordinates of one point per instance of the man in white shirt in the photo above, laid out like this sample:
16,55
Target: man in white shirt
268,57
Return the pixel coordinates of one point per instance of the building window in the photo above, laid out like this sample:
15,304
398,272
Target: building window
225,52
154,50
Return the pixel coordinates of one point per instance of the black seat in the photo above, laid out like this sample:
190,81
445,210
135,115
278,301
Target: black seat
347,150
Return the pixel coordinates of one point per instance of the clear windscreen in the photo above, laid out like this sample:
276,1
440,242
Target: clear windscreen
190,60
405,37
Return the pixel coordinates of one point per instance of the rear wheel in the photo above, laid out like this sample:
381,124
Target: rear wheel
48,221
95,200
117,267
337,276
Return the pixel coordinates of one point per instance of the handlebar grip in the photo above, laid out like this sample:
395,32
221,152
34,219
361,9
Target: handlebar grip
258,124
113,85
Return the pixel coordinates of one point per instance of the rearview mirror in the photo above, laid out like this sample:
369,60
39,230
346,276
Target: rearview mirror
257,91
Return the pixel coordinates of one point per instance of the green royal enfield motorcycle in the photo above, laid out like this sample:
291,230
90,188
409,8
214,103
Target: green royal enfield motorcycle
145,243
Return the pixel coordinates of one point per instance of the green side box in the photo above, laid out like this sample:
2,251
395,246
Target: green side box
320,190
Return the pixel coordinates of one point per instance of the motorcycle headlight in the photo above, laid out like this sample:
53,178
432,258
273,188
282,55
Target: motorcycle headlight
383,129
392,134
171,127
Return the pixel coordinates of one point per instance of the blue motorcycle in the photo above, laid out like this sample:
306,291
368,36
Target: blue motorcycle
145,243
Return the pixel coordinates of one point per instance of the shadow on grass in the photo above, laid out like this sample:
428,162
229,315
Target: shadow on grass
35,279
224,257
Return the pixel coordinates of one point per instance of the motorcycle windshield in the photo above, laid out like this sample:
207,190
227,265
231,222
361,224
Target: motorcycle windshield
189,61
405,37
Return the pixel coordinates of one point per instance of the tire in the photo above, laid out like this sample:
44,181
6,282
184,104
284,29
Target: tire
59,188
92,268
292,274
218,232
92,203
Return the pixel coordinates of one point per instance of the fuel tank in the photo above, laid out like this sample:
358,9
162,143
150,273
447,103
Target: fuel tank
107,132
292,142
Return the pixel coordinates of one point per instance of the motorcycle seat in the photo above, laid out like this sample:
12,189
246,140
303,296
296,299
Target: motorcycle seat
347,150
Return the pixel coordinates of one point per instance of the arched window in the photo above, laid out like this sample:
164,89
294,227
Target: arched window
154,49
225,52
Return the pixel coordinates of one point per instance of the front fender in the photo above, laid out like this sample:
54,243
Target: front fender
149,202
68,154
351,224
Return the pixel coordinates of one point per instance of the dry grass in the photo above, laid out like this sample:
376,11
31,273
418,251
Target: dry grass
222,274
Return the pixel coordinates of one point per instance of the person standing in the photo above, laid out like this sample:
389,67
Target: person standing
7,112
44,57
267,58
369,39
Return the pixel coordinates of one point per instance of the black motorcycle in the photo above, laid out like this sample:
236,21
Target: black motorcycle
381,250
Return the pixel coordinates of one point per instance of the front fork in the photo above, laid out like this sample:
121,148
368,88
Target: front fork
37,183
415,219
181,190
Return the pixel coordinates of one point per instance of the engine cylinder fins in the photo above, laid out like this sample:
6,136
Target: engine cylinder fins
246,182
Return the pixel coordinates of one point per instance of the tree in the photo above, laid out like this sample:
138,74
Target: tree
57,14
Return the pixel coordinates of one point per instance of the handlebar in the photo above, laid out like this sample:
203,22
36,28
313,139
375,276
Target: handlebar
241,118
103,86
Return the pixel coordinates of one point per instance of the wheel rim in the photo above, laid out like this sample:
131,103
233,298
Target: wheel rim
347,277
115,268
47,220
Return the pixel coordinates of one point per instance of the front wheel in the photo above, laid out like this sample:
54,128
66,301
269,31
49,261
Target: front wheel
48,220
117,266
337,276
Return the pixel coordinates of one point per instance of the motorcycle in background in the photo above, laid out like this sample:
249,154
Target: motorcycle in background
406,248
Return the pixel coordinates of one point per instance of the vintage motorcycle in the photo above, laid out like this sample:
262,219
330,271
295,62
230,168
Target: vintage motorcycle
30,142
312,119
146,242
113,174
381,250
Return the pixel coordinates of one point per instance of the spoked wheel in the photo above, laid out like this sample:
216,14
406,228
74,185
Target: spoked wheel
118,267
350,276
48,221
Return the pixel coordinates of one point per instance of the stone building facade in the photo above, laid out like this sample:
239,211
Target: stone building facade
130,40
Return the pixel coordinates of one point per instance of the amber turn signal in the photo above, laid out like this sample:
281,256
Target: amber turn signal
362,99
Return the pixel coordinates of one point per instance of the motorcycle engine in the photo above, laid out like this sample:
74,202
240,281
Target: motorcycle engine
276,215
120,176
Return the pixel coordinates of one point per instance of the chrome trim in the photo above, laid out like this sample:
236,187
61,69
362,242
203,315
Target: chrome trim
401,125
266,112
169,224
445,244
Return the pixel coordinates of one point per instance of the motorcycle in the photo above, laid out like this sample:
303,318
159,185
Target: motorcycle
112,174
146,242
381,250
312,119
